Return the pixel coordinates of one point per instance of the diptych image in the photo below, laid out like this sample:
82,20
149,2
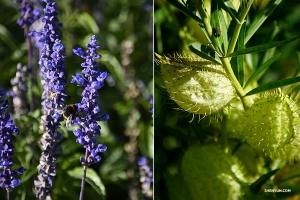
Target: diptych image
149,100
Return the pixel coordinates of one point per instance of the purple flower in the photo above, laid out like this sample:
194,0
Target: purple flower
92,79
146,177
54,96
28,14
8,178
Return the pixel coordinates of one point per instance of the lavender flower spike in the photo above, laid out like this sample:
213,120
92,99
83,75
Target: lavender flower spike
92,80
53,75
8,178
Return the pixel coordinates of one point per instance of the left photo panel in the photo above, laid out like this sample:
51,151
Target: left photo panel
76,100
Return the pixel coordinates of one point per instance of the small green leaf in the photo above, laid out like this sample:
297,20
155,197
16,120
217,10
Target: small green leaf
260,18
92,178
261,69
205,52
183,9
261,47
274,85
256,186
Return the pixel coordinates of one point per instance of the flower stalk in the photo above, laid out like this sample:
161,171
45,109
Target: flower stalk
53,75
92,79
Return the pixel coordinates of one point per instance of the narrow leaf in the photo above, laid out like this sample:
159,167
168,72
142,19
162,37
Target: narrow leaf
214,20
256,186
223,31
183,9
274,85
88,22
240,59
92,178
205,52
230,9
261,47
260,18
261,69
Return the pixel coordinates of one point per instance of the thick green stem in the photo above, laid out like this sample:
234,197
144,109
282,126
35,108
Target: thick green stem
238,27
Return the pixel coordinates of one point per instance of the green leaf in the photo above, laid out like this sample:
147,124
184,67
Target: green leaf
260,18
256,186
240,59
274,85
261,69
88,22
261,47
183,9
6,36
230,10
215,23
92,178
223,31
205,52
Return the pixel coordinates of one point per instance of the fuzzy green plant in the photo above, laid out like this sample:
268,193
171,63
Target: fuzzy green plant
219,72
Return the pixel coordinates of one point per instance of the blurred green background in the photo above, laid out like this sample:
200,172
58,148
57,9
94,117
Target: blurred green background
125,33
173,32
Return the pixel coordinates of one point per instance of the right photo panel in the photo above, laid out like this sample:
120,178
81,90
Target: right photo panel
226,99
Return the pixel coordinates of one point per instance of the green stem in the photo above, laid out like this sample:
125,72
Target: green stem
224,135
238,27
232,77
204,17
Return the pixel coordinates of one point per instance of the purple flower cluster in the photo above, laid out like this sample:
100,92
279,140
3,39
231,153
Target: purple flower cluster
92,79
53,75
146,177
28,14
8,178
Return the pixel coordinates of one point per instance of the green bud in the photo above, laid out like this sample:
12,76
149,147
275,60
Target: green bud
210,173
196,85
271,125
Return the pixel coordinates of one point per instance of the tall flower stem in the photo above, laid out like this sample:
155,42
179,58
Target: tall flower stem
28,17
30,68
83,176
